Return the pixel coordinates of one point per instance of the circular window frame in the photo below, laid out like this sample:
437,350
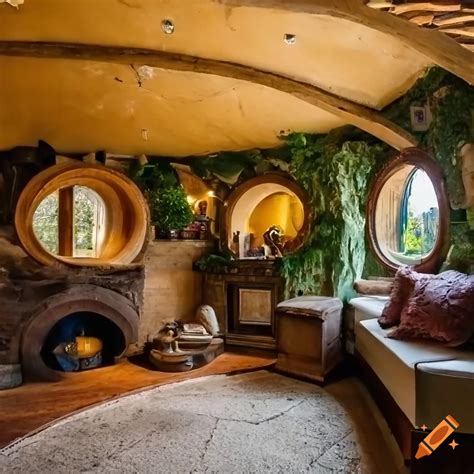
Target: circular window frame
421,160
282,180
128,223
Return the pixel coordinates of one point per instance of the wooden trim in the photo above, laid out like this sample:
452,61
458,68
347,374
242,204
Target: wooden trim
355,114
422,160
276,178
66,222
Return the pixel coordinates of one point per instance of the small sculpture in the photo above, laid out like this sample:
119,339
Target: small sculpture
197,344
168,337
273,238
206,316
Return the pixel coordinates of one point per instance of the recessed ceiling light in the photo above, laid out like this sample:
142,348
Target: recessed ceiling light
167,26
289,38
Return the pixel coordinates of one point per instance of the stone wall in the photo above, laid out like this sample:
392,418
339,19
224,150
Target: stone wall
172,289
162,287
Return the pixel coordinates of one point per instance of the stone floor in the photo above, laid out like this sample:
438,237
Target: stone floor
256,422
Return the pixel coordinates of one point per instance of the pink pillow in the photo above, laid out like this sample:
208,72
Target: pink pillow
403,286
441,308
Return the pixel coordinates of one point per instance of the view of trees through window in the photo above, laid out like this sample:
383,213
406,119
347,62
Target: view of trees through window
87,222
407,216
45,223
419,216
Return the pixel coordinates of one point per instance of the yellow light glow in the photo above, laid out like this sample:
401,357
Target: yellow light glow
191,199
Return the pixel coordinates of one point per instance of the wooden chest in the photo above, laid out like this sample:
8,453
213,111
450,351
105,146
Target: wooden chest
309,336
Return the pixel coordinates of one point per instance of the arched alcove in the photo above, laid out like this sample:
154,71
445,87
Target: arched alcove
122,320
270,199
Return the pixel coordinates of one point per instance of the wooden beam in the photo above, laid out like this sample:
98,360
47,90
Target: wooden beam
425,6
440,49
453,19
422,20
467,31
358,115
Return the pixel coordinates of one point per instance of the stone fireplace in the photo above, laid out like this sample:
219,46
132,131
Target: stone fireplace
99,312
38,302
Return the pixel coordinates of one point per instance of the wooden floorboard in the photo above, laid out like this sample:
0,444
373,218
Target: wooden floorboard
31,406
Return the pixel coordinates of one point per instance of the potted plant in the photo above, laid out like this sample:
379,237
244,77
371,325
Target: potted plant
170,211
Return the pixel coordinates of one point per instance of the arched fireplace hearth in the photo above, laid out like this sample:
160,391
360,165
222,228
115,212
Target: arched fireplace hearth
109,312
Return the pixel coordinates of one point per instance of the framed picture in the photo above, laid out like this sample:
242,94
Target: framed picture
420,118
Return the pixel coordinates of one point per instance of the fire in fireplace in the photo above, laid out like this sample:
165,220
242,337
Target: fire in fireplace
82,341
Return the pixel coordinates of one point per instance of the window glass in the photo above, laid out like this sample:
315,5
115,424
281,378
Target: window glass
407,216
87,221
45,223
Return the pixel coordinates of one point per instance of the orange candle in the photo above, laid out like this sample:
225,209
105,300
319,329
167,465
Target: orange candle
436,437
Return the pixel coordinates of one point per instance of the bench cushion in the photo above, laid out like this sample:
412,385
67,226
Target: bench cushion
394,361
446,387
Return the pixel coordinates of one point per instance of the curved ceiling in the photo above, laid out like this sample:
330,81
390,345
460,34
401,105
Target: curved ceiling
80,105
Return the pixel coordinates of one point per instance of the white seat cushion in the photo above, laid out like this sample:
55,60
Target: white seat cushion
446,387
368,306
394,361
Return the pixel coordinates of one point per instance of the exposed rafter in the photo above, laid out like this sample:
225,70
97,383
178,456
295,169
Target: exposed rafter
362,117
437,47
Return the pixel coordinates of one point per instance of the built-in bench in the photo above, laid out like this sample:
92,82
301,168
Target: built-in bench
427,380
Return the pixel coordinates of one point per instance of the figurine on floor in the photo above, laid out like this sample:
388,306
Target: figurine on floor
182,346
169,336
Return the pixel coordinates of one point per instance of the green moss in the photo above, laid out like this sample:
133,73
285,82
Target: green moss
336,169
334,172
451,101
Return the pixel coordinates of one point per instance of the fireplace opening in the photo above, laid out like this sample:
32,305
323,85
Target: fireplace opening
82,341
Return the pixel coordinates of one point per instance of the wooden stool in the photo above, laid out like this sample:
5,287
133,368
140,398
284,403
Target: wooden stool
309,336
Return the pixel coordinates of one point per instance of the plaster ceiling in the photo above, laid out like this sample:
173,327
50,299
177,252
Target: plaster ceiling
78,105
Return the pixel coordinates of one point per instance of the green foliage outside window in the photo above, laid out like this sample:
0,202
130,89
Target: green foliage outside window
413,236
45,223
83,220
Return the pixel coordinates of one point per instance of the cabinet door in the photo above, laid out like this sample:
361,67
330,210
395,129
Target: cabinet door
251,309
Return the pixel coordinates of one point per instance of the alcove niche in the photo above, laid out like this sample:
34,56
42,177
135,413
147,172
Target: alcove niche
272,199
83,215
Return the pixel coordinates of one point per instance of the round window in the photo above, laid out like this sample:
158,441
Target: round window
82,215
408,213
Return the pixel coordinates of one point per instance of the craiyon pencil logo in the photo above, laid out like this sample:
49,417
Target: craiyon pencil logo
437,437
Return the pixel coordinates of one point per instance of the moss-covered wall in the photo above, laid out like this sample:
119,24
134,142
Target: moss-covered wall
336,170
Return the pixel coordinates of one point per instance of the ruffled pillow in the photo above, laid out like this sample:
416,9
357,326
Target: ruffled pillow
403,286
440,308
